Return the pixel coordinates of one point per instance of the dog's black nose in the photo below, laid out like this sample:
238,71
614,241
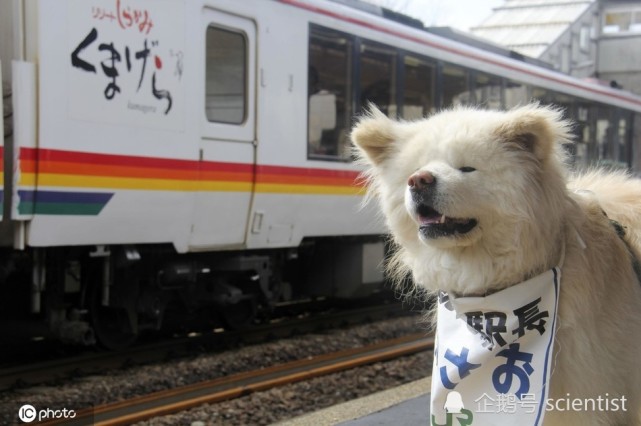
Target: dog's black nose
421,180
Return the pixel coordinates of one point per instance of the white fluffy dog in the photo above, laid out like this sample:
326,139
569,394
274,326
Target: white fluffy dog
478,200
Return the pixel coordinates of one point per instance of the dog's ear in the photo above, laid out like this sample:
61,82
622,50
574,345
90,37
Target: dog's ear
374,136
534,129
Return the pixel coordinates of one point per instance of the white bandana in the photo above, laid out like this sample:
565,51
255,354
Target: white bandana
493,355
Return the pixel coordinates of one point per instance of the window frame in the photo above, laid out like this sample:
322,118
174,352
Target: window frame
635,14
245,55
402,85
351,69
211,130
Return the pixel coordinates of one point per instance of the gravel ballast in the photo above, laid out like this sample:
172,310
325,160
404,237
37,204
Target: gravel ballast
261,408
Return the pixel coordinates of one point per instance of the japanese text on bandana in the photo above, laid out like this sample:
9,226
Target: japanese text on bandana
495,348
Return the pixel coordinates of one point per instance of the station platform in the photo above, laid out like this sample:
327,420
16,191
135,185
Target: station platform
406,405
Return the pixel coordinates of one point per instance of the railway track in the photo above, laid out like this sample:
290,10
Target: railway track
234,386
96,362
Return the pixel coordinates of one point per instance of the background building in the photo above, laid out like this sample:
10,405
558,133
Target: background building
619,44
584,38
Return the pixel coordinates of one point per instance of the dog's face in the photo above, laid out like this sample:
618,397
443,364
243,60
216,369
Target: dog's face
463,179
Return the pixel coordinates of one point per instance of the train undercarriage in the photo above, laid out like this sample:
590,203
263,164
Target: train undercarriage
111,294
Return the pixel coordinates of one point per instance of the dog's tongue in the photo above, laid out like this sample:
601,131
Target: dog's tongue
429,220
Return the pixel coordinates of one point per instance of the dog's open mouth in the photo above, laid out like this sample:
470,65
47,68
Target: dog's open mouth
433,224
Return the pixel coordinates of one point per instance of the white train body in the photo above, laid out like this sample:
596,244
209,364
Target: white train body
197,125
102,160
133,158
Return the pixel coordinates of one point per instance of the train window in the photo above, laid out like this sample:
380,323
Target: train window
515,94
488,91
329,94
583,129
565,102
541,95
625,125
418,93
378,77
455,86
226,76
635,141
606,135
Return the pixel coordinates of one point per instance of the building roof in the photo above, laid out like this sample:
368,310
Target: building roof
531,26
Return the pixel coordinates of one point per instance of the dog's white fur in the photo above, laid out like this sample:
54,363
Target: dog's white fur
528,215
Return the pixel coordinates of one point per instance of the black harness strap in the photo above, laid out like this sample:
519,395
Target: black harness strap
620,230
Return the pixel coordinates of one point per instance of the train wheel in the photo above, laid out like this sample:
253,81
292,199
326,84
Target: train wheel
112,327
241,314
115,327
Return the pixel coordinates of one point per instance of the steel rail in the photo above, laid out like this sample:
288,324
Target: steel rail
213,391
84,364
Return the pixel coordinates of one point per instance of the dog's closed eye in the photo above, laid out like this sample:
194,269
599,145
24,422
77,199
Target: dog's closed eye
467,169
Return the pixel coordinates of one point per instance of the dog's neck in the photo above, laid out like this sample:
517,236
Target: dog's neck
478,272
568,231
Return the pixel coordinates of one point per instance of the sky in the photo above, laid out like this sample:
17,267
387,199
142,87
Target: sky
460,14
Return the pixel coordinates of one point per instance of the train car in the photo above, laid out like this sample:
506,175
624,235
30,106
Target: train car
164,155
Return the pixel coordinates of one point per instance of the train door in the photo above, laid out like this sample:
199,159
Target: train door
227,143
